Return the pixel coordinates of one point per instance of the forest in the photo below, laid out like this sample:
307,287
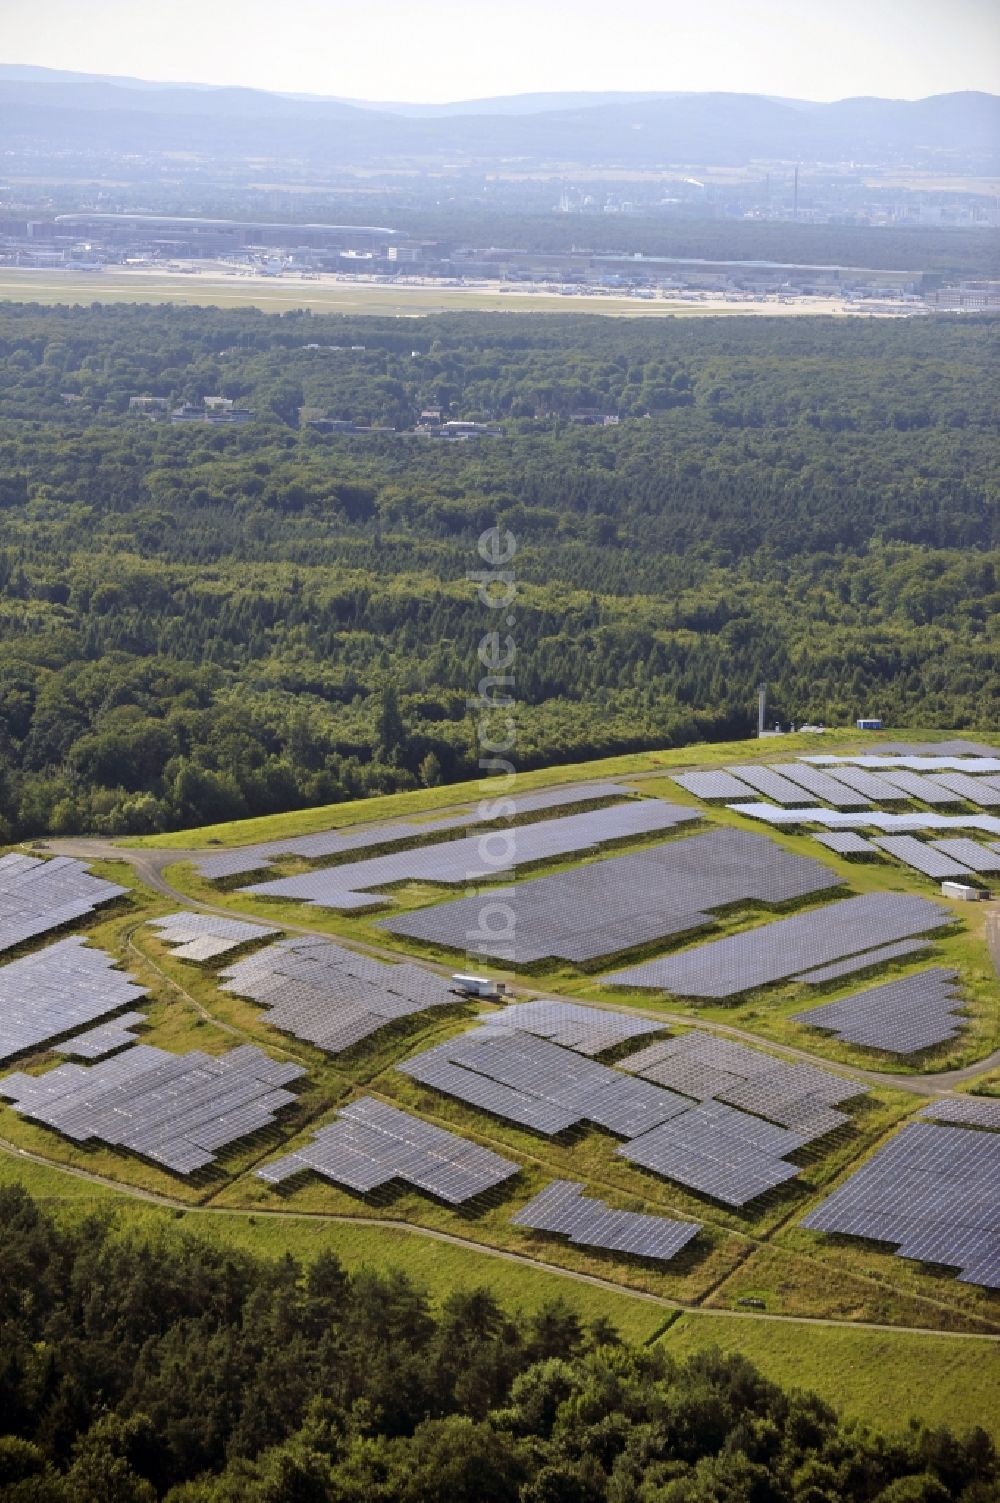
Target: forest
142,1366
202,621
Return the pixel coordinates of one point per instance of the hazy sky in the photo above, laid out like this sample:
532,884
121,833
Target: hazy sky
445,49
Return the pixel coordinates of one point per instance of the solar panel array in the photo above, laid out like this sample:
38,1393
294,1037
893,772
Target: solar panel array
914,763
899,1017
475,856
985,792
934,1192
563,1208
540,1085
105,1039
966,1111
330,996
713,1148
718,1151
37,896
371,1144
853,963
587,1030
714,783
203,936
217,864
176,1109
936,748
787,947
915,784
971,854
831,790
846,843
623,901
798,1096
839,819
53,991
870,785
770,783
923,858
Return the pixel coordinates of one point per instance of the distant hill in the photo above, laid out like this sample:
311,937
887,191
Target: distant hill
948,132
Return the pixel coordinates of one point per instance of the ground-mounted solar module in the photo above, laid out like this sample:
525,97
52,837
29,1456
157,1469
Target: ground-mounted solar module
890,824
794,1095
978,858
731,1155
899,1017
563,1208
538,1084
331,996
988,766
586,1030
936,749
932,1191
916,785
770,783
475,857
869,785
38,896
621,902
966,1111
923,858
711,784
846,843
718,1151
371,1144
825,973
326,843
55,991
106,1038
177,1110
205,936
983,792
821,785
787,947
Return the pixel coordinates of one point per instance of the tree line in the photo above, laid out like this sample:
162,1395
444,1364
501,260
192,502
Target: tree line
142,1366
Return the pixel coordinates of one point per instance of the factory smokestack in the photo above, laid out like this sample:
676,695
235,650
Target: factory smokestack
761,708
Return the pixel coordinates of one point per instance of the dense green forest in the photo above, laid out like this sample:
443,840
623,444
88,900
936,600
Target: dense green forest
202,622
136,1368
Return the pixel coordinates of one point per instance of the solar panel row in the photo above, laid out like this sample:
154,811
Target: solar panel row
217,864
176,1109
563,1208
899,1017
624,901
38,896
330,996
475,857
105,1039
787,947
853,963
837,819
932,1191
372,1143
923,858
798,1096
966,1111
587,1030
846,843
204,936
716,1149
53,991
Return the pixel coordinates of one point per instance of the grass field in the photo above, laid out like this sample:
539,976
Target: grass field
274,296
880,1377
